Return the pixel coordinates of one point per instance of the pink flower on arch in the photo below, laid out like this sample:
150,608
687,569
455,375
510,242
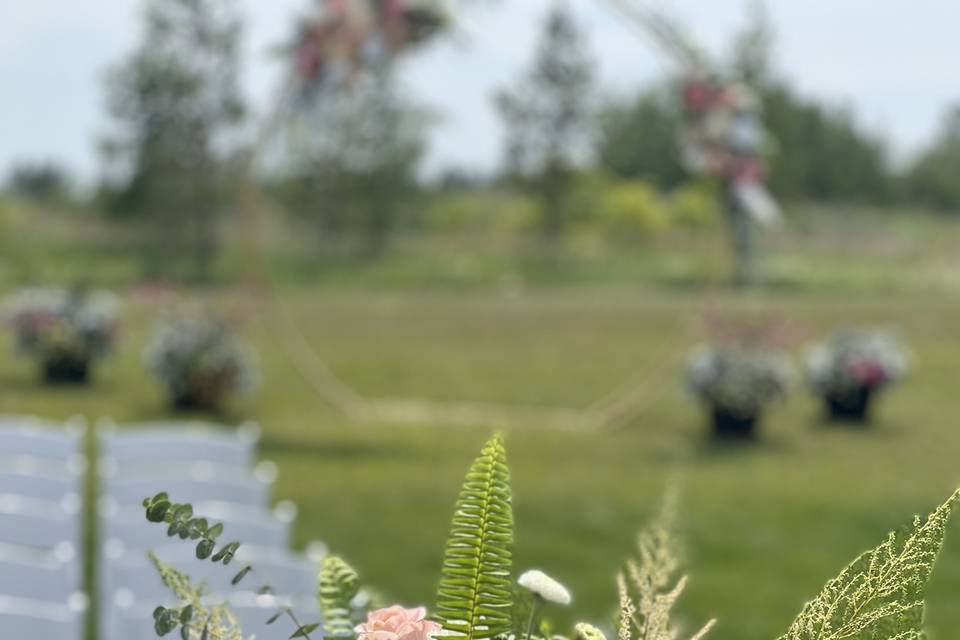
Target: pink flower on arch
397,623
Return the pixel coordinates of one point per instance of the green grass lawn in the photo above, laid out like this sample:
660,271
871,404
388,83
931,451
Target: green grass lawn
764,525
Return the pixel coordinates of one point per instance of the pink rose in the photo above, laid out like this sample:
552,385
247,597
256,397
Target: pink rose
397,623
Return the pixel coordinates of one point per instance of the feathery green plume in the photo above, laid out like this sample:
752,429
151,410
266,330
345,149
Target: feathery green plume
339,584
215,622
879,596
652,578
474,599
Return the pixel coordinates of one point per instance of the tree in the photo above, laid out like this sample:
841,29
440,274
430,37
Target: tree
637,138
176,102
547,117
753,49
354,157
822,152
933,178
39,181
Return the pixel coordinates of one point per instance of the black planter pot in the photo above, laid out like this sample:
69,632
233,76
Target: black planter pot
193,402
853,406
728,425
66,371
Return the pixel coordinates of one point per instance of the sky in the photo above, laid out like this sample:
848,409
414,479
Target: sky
893,62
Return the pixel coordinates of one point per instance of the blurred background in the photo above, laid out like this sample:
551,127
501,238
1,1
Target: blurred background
514,215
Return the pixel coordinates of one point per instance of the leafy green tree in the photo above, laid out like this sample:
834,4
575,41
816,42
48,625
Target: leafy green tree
636,138
933,178
548,116
353,161
176,103
39,181
752,50
822,153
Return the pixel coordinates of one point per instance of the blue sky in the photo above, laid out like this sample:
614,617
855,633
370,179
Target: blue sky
895,62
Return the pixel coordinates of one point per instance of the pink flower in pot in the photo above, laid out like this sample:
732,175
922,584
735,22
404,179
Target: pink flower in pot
868,373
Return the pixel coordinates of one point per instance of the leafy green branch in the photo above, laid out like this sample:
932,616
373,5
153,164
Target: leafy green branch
208,624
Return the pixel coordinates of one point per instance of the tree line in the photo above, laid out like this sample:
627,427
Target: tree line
349,165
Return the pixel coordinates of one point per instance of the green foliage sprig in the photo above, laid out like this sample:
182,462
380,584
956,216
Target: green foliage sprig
181,523
339,585
206,623
880,595
474,599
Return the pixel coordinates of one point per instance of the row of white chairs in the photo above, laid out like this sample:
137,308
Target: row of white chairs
215,471
42,481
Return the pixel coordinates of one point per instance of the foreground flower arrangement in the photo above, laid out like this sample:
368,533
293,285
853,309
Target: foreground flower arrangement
850,369
880,596
200,362
65,331
737,383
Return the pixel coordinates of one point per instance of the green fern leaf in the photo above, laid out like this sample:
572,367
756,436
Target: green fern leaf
474,599
339,585
880,596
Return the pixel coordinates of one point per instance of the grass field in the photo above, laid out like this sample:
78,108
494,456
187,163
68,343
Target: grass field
764,525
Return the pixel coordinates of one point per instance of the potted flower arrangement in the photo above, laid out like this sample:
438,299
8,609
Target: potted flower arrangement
850,369
737,383
64,330
200,362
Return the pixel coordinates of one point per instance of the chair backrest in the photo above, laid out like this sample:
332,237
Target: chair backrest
181,441
250,525
20,618
62,558
135,621
45,579
39,523
250,490
42,485
287,573
30,436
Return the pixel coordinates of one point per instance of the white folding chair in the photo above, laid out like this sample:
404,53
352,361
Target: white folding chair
31,436
228,483
22,618
61,559
40,523
134,620
127,534
46,576
40,484
183,441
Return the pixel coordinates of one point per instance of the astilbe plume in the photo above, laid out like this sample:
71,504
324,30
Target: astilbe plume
651,576
213,622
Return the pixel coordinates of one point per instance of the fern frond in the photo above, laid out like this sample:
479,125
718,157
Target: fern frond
214,622
880,595
339,585
474,599
652,576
